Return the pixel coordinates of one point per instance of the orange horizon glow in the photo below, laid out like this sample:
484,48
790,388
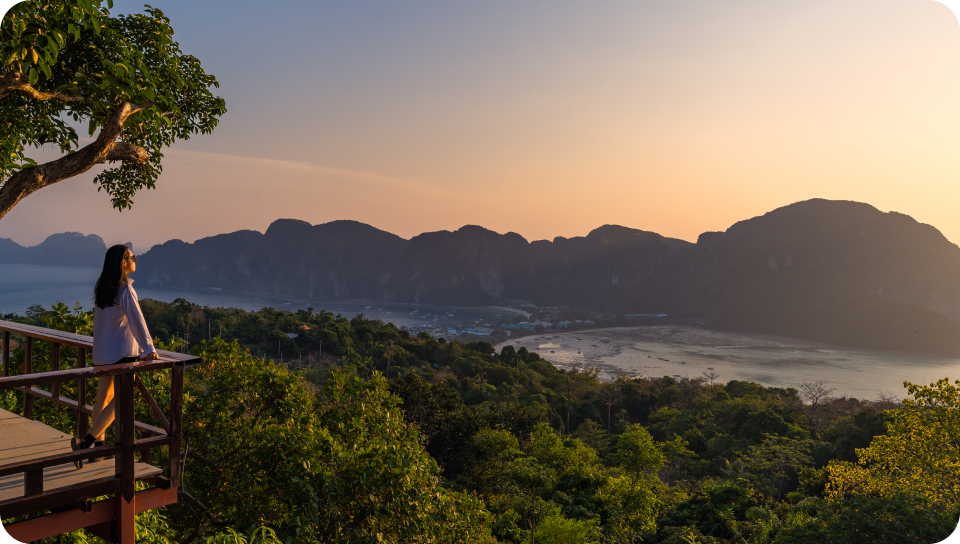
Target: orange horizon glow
723,115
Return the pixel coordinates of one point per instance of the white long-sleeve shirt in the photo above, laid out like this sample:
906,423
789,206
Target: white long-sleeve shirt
120,330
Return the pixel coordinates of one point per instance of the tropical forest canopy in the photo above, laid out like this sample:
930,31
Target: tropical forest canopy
367,433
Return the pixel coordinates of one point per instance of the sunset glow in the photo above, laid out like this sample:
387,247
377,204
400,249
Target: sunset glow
548,119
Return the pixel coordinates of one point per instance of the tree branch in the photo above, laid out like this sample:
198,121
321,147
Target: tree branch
15,82
204,460
104,148
183,493
127,152
196,532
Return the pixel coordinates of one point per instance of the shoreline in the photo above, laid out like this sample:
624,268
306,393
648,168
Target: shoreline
779,341
774,361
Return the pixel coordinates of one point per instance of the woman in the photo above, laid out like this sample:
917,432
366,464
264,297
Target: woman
120,335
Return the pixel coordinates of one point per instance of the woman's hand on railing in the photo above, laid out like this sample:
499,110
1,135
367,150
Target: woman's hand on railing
149,356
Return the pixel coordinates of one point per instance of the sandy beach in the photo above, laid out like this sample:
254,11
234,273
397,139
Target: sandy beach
690,352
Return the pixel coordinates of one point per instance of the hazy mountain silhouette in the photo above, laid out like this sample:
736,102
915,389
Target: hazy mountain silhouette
333,261
833,271
66,248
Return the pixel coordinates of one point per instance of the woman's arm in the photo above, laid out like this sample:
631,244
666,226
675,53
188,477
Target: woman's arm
138,326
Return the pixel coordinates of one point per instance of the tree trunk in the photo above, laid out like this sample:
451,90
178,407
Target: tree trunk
533,517
608,418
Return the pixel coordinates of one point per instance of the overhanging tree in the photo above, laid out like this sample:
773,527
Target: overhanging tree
68,64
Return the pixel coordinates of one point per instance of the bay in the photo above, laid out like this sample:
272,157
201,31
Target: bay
633,351
689,352
23,285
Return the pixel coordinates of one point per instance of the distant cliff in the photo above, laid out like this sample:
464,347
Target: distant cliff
833,271
67,248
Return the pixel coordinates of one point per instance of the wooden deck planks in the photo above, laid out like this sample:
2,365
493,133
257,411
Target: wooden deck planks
22,439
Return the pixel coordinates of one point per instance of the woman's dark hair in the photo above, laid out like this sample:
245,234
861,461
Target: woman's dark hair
105,292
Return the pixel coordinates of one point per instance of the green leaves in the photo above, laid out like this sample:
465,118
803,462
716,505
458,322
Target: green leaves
637,454
77,48
341,466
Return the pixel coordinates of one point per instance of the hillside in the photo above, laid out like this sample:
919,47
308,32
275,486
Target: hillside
837,272
333,261
66,248
831,271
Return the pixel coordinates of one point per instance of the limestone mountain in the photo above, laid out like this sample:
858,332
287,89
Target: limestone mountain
65,248
838,272
333,261
835,271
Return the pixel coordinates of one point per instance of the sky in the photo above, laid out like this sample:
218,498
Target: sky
545,118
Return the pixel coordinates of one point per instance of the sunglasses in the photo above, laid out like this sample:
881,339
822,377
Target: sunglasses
132,257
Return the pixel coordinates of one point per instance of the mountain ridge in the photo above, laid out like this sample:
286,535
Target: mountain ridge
838,272
65,248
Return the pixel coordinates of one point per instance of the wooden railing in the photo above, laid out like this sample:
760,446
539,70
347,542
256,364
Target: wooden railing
73,502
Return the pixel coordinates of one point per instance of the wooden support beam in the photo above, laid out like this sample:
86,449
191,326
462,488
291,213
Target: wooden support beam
146,444
176,418
64,495
95,371
55,460
105,530
125,461
62,522
70,403
83,420
33,482
38,464
28,369
55,366
100,516
49,335
115,518
126,513
79,340
6,353
154,407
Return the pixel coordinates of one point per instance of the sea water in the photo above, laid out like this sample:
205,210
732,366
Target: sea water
772,361
23,285
633,351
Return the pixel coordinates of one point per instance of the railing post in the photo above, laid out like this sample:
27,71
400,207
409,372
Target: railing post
82,419
6,353
32,483
176,419
124,414
28,367
123,396
55,366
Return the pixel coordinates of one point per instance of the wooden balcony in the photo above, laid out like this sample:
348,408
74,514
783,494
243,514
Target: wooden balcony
37,472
